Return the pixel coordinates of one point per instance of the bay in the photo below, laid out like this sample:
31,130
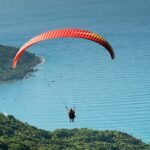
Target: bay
113,95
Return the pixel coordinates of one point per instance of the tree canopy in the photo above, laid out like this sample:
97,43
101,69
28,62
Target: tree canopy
16,135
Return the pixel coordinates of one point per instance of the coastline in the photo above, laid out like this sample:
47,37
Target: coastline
29,74
35,69
42,61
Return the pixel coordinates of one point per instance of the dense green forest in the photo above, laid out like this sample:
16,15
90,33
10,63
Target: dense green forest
15,135
25,65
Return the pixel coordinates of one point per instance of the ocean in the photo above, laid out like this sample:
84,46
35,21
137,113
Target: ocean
108,94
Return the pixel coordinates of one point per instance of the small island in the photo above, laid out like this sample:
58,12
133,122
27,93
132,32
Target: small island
16,135
26,64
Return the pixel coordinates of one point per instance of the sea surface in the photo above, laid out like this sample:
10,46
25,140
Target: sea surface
108,94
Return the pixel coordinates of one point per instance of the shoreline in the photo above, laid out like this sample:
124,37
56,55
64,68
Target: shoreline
29,74
35,69
42,61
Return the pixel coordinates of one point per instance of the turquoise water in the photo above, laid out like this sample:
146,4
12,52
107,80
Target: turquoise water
108,94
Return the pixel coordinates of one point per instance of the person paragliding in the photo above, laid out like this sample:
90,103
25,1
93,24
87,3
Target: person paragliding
65,33
71,113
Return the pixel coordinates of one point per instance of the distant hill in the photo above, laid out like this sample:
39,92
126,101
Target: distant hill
15,135
25,65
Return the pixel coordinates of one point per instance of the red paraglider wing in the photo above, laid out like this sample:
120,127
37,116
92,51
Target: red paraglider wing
60,33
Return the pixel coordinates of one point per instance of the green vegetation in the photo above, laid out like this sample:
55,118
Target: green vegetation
15,135
25,65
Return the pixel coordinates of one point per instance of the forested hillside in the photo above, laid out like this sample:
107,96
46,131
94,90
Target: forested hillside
15,135
25,65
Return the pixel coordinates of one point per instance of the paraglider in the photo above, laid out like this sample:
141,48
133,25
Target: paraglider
62,33
71,113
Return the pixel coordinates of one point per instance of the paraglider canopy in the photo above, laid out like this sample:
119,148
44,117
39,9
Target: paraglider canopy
61,33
